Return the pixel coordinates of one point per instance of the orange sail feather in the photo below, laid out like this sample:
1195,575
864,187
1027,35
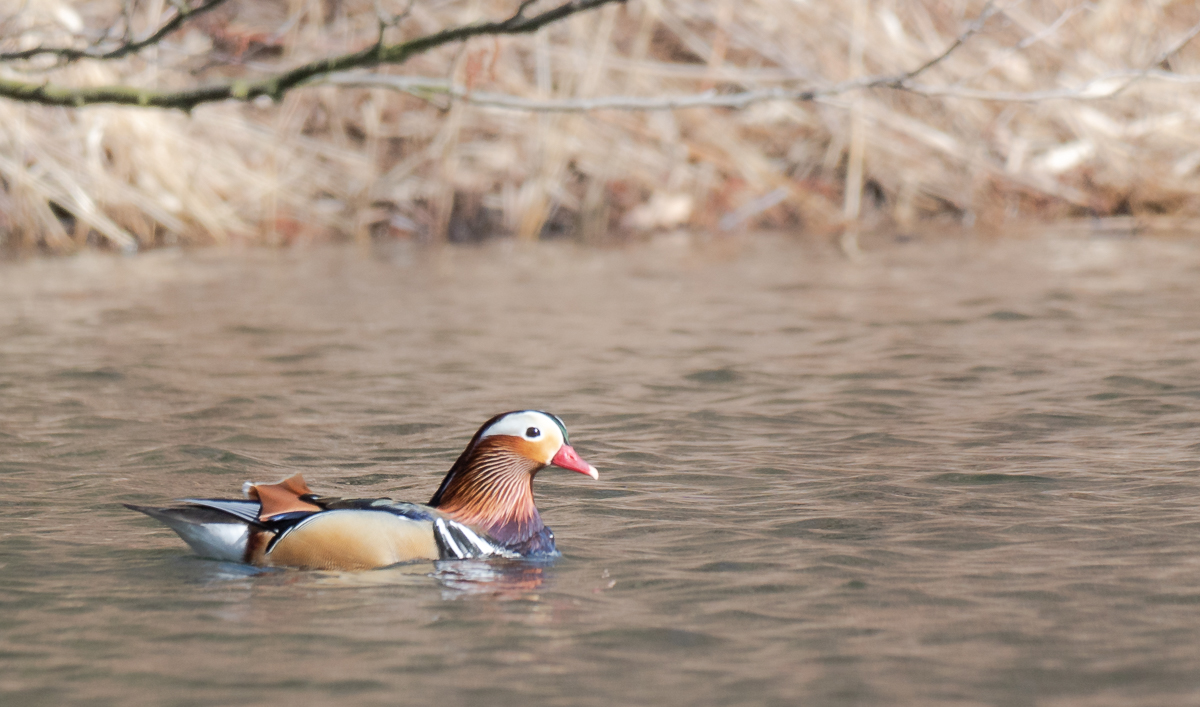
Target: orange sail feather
281,497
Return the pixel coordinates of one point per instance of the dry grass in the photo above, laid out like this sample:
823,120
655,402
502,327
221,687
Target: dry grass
351,163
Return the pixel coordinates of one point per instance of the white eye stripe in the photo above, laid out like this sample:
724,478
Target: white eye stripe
519,424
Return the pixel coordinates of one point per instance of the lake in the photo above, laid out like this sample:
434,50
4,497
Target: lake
956,472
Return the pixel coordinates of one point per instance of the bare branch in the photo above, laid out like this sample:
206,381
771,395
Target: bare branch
1103,86
127,46
427,88
276,85
386,19
1178,45
972,29
332,71
1107,85
1046,32
127,15
525,5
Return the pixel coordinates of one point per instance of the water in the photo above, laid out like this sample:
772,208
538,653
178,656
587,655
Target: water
952,474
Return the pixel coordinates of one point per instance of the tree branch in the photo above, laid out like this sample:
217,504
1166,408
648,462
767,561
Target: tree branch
67,54
425,87
1099,87
972,29
276,85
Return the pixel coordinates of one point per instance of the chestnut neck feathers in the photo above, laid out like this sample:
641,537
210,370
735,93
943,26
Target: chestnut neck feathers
490,487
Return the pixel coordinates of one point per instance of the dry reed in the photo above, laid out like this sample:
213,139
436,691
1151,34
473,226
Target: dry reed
336,162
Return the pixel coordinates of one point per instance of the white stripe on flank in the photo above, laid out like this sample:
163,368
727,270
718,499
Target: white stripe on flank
482,547
479,543
444,532
275,540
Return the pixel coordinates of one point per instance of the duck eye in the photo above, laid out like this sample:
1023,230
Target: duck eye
533,432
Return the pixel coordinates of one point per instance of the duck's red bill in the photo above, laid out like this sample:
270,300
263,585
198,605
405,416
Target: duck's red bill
568,459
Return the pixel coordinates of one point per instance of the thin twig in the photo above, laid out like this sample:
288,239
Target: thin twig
127,17
127,46
972,29
387,19
525,5
1107,85
1048,31
423,87
1177,46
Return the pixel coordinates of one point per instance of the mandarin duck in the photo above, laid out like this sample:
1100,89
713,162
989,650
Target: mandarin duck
483,508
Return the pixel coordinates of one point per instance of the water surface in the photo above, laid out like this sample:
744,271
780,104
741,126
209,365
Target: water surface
955,473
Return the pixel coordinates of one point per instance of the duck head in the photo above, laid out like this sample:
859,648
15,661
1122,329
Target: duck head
490,487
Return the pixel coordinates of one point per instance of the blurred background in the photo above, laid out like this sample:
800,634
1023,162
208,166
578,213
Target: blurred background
1041,111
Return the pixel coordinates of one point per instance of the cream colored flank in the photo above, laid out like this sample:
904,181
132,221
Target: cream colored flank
351,540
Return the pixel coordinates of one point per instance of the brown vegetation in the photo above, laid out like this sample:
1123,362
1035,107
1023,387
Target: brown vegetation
1046,110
